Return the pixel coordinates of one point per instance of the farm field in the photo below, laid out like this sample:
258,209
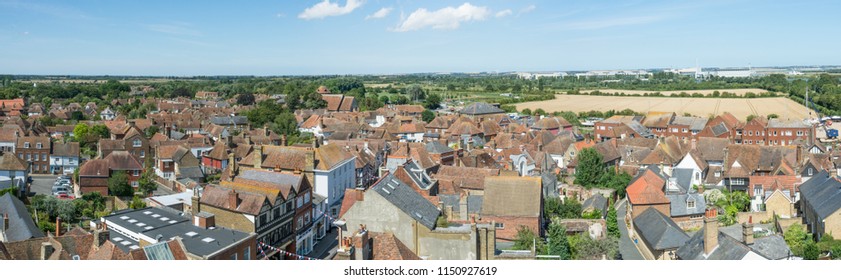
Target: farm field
737,91
739,107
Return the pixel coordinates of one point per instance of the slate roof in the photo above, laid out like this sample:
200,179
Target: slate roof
822,194
694,123
727,249
228,120
596,202
407,200
679,206
719,129
21,225
480,108
436,147
66,149
659,231
474,202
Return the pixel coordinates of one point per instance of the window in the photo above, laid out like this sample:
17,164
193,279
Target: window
136,173
775,133
142,153
737,181
43,157
300,223
29,157
306,197
757,190
277,212
799,133
134,184
36,167
20,155
26,145
685,130
136,143
690,203
750,133
300,202
38,145
738,132
674,130
246,255
788,133
263,219
234,256
811,171
499,225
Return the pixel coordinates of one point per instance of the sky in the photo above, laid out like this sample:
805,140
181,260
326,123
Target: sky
326,37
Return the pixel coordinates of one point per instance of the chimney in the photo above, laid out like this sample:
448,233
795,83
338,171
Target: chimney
361,243
232,199
747,232
232,161
229,140
168,131
195,208
710,230
204,220
46,250
693,143
131,123
283,140
266,130
360,194
258,156
101,236
57,226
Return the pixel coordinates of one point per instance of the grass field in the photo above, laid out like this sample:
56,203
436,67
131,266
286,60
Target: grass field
739,107
737,91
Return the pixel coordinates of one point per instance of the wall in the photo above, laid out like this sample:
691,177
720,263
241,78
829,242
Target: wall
228,219
780,205
663,208
511,225
239,250
832,224
448,244
757,217
379,215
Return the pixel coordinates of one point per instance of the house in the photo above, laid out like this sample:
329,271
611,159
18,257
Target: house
820,203
603,130
8,140
595,203
712,243
13,172
129,138
441,153
660,236
483,110
65,158
12,107
512,202
774,194
552,124
107,114
646,191
173,162
207,95
340,102
17,222
658,122
686,127
202,238
35,150
94,174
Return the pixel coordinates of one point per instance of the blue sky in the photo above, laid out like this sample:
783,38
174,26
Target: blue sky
300,37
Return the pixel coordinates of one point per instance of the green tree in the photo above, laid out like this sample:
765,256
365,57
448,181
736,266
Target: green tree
82,133
539,112
427,116
400,100
432,101
590,168
810,250
612,222
773,116
526,239
101,131
558,244
796,238
835,251
750,117
151,130
526,112
384,99
246,98
118,184
137,203
146,184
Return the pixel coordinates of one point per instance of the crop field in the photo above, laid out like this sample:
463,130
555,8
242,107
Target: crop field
739,107
737,91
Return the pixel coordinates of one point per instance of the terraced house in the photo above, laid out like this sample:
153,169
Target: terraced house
36,151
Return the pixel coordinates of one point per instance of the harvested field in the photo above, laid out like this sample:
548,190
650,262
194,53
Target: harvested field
737,91
739,107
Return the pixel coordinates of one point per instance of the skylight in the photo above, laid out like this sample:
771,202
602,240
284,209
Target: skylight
124,218
147,212
125,243
164,219
141,224
132,221
134,247
149,227
117,239
208,240
172,222
156,215
191,234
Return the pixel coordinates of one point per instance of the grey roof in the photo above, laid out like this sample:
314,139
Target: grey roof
272,177
679,207
480,108
772,247
596,201
407,200
776,123
694,123
640,129
418,175
167,224
659,231
21,225
727,249
436,147
190,172
227,120
822,194
550,182
176,135
683,178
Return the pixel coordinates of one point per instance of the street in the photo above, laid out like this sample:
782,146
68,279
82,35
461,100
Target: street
326,248
627,248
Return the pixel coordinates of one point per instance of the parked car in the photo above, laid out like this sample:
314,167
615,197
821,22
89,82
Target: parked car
64,195
58,190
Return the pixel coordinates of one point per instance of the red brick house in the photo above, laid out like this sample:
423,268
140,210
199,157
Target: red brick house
646,191
94,174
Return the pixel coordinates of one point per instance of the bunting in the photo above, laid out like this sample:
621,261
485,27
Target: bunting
285,253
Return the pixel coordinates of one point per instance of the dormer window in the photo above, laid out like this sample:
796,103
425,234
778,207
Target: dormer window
136,143
690,203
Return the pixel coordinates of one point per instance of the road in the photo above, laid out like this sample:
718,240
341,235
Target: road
626,246
326,248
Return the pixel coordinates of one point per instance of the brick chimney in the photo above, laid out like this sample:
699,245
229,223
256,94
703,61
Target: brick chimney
232,199
232,162
266,130
283,140
195,200
361,243
101,235
168,130
747,231
710,230
258,156
204,220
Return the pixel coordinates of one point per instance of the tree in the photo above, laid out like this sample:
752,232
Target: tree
539,112
137,203
773,116
612,223
401,99
558,244
589,171
526,239
810,250
384,99
751,117
118,184
427,116
151,130
526,112
415,92
245,98
81,133
432,101
796,239
569,208
146,184
835,251
101,131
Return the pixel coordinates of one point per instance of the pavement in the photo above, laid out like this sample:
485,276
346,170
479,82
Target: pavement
42,184
627,248
326,248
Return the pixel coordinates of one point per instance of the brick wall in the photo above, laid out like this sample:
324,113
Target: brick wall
229,219
510,225
663,208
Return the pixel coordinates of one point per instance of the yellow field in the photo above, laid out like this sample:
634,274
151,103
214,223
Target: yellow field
739,107
737,91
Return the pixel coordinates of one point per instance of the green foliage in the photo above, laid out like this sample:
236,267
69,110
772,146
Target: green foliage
590,168
810,250
558,244
82,133
750,117
427,116
54,208
539,112
11,190
595,214
146,184
442,222
151,130
400,100
773,116
432,101
526,239
526,112
616,181
246,98
118,184
569,208
137,203
835,251
796,238
101,131
582,247
612,223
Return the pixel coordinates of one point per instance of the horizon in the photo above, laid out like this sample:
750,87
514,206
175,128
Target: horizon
384,37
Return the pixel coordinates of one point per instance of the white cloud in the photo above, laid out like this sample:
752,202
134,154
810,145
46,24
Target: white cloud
445,18
527,9
328,9
381,13
504,13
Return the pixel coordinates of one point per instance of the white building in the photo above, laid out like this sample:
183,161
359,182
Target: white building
334,173
65,158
